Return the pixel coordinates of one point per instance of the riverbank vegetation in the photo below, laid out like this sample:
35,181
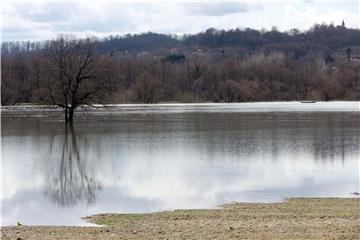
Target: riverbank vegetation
298,218
236,65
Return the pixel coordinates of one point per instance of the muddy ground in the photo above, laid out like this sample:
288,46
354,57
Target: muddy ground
296,218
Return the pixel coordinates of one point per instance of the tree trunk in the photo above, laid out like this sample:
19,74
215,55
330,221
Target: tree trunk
66,113
71,114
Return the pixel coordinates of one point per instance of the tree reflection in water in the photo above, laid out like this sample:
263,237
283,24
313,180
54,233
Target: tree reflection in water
68,181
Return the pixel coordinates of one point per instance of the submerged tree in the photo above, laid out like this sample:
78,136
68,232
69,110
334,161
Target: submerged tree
71,67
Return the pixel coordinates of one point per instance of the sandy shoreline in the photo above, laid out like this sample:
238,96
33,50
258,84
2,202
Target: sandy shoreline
295,218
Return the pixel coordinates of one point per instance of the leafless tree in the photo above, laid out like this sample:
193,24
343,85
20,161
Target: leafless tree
228,91
146,88
72,72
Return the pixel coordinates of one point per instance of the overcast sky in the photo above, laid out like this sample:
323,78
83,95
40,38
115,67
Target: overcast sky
40,20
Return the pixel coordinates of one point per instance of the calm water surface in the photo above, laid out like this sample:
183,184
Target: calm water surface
143,158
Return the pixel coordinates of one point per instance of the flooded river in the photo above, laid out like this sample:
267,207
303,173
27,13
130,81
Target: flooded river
144,158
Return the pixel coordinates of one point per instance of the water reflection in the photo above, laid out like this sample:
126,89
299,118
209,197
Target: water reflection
68,180
160,160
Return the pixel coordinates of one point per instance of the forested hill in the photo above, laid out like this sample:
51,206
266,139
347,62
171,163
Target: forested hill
322,63
322,38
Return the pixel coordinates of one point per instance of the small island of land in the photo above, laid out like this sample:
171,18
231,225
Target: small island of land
295,218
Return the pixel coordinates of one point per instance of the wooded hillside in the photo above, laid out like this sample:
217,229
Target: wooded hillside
322,63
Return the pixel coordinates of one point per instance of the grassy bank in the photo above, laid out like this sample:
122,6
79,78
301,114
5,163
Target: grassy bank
296,218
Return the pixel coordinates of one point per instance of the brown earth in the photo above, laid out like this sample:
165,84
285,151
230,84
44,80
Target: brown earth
296,218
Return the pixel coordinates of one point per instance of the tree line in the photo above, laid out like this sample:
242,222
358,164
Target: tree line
237,65
320,37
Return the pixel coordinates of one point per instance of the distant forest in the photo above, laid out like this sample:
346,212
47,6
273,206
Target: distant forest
238,65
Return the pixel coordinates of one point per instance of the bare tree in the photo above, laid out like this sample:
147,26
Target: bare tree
146,88
348,52
72,77
228,91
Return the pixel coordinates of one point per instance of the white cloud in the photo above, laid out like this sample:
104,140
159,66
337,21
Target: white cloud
305,16
219,8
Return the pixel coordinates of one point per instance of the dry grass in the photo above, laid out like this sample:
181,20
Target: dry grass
297,218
